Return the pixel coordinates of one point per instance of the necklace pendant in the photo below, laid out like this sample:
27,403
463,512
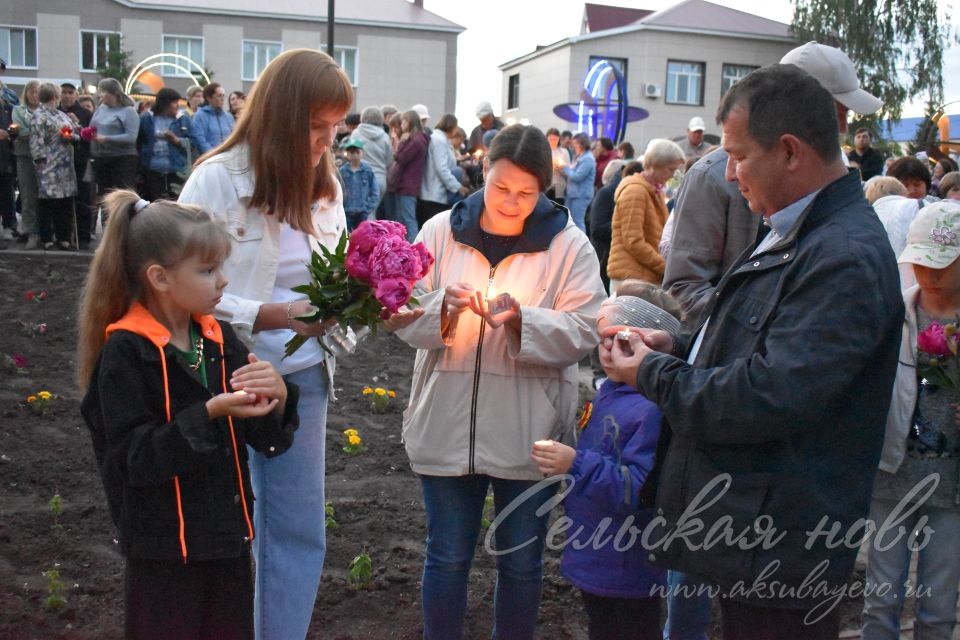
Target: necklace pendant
198,348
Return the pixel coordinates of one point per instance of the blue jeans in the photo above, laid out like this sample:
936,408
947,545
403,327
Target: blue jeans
578,211
688,618
938,569
404,209
454,508
354,218
289,518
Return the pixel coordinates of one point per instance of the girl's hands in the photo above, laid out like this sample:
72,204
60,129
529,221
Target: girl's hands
552,457
258,390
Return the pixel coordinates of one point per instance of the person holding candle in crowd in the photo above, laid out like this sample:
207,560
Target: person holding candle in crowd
493,374
609,469
560,159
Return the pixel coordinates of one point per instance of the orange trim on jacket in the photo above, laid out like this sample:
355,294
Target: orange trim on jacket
138,320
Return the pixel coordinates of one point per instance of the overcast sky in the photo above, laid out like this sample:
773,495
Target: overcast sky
501,30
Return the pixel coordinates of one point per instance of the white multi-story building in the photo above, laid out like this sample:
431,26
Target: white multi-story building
394,50
677,63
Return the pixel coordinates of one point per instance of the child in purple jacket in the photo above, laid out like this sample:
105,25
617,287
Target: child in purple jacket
616,451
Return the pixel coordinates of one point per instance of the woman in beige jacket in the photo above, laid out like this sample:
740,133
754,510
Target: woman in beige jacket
639,215
508,311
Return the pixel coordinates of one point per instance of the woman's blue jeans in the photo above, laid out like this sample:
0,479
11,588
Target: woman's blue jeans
289,518
404,209
578,211
454,508
688,616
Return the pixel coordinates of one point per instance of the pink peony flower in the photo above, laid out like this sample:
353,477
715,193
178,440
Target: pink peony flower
29,295
358,264
88,133
426,259
366,236
393,293
394,258
20,360
42,328
933,340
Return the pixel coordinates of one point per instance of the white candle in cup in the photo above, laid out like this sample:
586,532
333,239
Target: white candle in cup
543,443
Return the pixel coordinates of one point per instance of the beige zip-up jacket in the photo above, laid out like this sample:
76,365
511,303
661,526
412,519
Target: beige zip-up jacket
480,396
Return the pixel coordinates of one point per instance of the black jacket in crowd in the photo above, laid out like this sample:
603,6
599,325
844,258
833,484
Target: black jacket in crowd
177,482
788,396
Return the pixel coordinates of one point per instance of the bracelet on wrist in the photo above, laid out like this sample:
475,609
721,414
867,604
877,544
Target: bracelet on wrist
290,315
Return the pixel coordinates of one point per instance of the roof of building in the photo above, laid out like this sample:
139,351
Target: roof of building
600,17
905,129
392,13
690,16
703,15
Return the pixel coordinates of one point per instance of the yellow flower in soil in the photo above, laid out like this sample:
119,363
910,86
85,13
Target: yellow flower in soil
354,441
392,393
350,432
367,391
31,399
46,395
380,392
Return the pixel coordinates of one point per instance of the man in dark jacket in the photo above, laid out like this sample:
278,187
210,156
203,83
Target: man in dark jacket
777,404
864,155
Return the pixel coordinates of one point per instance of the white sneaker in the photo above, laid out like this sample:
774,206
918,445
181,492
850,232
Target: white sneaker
32,242
7,234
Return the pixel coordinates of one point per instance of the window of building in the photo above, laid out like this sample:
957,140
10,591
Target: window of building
733,73
685,82
346,57
619,63
18,46
190,47
94,47
256,56
513,92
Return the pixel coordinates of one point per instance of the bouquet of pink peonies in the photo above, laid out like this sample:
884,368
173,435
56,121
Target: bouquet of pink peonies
937,354
365,283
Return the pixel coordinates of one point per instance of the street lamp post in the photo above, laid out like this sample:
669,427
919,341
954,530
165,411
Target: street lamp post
330,11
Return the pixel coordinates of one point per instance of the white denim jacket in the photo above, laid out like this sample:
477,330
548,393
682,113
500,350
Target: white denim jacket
223,186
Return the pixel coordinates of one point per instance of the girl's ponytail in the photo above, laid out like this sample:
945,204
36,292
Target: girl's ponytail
110,288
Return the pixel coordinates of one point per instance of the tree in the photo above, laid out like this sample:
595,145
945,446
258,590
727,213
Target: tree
116,63
896,45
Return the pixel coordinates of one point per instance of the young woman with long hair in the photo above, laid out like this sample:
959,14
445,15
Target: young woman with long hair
273,183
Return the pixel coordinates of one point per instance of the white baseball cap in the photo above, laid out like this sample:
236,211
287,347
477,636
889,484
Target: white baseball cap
696,124
484,109
421,110
834,70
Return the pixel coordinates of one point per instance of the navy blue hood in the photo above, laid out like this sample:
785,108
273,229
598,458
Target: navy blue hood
539,229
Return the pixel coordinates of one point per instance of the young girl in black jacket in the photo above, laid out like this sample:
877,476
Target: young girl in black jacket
172,399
